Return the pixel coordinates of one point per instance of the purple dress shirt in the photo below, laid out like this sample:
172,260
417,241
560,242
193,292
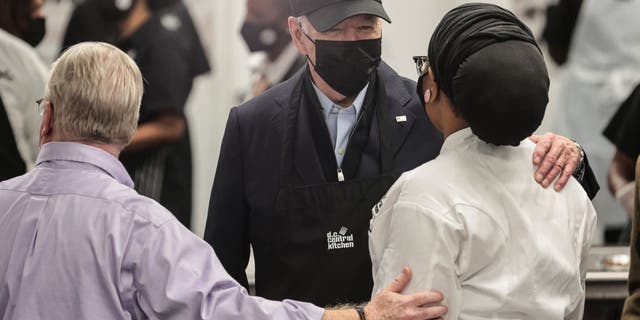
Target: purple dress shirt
77,242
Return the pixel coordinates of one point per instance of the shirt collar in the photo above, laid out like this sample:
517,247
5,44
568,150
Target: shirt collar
457,139
327,104
78,152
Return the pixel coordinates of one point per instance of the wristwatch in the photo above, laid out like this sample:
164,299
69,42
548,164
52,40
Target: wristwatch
578,172
360,311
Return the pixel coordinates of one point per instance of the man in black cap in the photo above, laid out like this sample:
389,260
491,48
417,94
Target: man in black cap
302,165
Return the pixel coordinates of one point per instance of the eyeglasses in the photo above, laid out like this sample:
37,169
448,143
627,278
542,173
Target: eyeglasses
422,64
40,106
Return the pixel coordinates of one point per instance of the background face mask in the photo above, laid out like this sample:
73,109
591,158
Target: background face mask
347,65
261,37
35,31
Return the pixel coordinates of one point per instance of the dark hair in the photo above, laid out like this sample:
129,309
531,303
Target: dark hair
14,16
502,92
489,64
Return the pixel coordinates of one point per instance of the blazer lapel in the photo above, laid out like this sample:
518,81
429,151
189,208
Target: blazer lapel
400,116
305,160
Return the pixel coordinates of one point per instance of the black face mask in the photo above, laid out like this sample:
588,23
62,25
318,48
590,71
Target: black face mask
261,37
35,31
347,65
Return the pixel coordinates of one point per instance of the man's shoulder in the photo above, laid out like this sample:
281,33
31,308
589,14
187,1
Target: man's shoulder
142,207
104,192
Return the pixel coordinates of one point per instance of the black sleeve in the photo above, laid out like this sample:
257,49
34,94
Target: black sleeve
227,228
588,180
624,128
167,82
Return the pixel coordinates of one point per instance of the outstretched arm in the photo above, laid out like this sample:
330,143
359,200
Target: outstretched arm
390,304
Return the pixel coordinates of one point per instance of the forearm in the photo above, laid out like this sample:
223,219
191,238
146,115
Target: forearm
340,314
165,128
621,172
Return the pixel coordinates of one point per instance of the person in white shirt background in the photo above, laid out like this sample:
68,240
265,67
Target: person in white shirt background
471,223
22,79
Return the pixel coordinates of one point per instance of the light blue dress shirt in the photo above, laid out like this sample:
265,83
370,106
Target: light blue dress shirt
77,242
340,120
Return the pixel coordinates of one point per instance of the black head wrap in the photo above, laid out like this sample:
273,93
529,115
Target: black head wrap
488,63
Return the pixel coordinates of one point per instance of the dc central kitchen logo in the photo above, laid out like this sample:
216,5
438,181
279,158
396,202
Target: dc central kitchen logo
340,240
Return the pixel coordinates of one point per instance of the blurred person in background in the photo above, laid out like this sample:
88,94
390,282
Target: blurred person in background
602,68
161,37
22,80
266,33
624,132
92,21
561,18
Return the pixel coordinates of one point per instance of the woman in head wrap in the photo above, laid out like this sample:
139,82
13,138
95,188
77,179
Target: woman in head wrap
472,223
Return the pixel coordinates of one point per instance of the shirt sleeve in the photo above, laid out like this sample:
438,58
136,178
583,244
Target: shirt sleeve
427,242
227,227
178,276
167,82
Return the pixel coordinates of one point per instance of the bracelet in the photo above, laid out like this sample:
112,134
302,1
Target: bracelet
360,311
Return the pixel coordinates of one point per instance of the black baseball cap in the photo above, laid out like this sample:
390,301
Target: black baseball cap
324,14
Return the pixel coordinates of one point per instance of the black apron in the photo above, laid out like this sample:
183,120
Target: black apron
321,231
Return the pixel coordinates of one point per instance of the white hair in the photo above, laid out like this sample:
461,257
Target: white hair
95,90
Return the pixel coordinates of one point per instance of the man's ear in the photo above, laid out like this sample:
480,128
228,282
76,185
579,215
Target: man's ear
46,126
296,35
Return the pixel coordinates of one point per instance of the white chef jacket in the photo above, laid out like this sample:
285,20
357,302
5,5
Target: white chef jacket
474,224
22,80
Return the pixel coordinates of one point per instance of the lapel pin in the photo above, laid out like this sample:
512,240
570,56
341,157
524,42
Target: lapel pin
401,119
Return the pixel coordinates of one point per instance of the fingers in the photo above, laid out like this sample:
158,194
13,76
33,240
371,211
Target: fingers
435,312
556,168
543,145
426,298
559,162
567,172
427,304
546,154
401,281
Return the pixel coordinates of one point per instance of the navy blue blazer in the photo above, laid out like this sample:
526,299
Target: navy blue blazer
247,178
